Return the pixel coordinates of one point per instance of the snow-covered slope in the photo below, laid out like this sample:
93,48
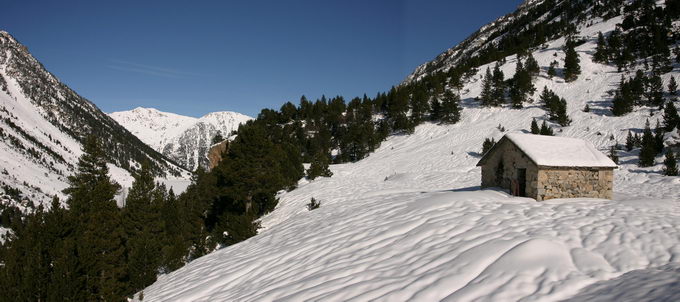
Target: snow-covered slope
410,222
184,139
42,123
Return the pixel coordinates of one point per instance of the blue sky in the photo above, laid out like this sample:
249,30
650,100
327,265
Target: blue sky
195,57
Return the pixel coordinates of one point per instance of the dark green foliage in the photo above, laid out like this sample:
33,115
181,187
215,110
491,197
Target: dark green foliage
531,66
144,229
672,86
450,108
546,130
572,67
654,92
630,141
671,119
612,155
648,150
498,86
234,228
670,164
486,97
623,99
534,127
217,138
552,69
488,144
601,52
313,204
99,235
658,137
521,85
556,107
319,167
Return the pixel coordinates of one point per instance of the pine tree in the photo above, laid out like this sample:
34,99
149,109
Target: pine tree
144,229
498,87
672,86
648,150
671,119
655,91
630,141
670,164
601,53
486,96
623,99
546,130
572,68
552,69
487,145
435,110
613,156
534,127
521,85
531,65
98,225
560,114
319,167
450,109
658,137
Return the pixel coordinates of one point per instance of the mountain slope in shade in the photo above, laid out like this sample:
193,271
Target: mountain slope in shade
184,139
42,125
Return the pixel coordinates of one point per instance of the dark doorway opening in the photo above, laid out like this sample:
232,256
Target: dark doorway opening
522,182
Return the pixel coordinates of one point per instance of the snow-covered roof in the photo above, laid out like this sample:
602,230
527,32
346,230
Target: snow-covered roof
554,151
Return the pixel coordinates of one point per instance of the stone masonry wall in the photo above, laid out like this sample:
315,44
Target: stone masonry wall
512,159
574,182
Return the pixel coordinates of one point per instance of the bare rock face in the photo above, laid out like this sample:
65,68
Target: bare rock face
215,153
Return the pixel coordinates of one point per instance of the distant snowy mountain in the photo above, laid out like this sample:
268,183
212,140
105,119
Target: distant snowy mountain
184,139
42,125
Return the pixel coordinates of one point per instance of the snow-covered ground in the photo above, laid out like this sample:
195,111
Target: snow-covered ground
410,222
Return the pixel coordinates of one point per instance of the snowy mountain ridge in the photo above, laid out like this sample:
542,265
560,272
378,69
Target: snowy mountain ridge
184,139
42,125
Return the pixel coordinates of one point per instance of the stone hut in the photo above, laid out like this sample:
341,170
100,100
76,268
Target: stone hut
546,167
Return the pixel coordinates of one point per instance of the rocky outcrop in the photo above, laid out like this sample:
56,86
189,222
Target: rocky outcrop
215,153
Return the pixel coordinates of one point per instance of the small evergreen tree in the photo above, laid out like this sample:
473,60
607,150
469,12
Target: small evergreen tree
670,164
498,87
313,204
630,141
601,52
572,68
613,156
552,69
531,66
534,127
319,167
671,119
648,149
546,130
672,86
488,144
586,108
486,96
658,137
450,108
